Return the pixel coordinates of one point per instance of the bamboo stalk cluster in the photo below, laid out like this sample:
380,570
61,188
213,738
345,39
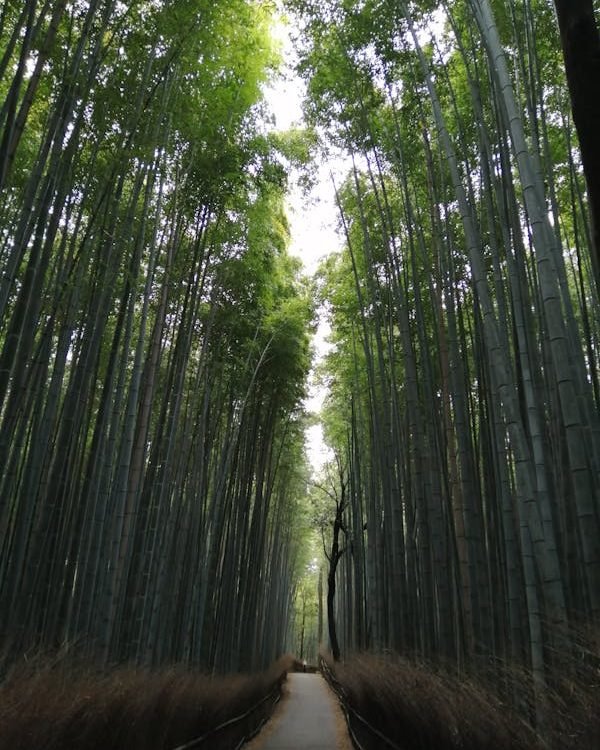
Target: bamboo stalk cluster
464,379
153,336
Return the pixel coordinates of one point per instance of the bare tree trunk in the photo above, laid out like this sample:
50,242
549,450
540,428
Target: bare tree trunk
581,49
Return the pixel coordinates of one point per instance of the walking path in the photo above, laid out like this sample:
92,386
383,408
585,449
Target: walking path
307,718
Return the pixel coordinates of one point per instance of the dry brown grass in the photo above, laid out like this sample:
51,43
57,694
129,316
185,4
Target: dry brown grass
49,706
574,700
421,708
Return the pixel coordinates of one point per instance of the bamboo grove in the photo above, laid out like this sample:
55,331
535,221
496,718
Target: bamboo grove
464,393
154,335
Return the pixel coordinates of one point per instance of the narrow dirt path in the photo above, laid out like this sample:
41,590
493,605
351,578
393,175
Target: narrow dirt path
308,718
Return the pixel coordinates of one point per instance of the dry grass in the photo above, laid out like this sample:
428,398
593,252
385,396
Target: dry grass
421,708
574,701
61,707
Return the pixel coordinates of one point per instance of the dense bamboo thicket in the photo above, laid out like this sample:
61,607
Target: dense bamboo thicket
464,392
153,335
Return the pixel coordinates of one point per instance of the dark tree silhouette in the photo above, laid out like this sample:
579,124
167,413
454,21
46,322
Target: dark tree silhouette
581,49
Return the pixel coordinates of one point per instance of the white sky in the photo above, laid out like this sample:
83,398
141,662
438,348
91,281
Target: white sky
312,223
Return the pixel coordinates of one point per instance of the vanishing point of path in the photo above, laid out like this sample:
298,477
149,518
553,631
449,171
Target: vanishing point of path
307,718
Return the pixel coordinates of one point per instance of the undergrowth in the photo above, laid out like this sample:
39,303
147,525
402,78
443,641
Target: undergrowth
420,707
60,706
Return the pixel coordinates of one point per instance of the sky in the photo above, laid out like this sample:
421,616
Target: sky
312,220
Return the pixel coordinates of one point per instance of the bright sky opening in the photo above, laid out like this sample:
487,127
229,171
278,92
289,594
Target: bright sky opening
312,222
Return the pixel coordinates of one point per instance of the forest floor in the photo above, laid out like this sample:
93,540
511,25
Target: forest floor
308,718
63,704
